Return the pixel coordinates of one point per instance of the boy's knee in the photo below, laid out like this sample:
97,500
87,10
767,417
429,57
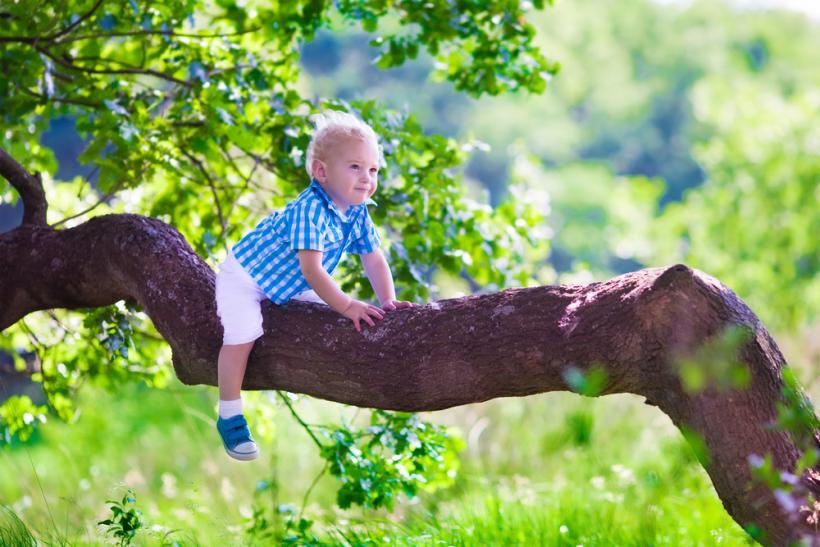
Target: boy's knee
238,348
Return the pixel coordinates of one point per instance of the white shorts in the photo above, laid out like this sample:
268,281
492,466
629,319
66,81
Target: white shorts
238,305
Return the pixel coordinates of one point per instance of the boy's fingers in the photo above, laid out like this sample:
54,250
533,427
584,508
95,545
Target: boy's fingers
369,321
356,324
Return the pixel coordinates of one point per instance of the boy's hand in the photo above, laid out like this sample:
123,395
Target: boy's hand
391,305
358,311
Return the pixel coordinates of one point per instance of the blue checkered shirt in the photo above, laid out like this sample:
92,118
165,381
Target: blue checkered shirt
311,221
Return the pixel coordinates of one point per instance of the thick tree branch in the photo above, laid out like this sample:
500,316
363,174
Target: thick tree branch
28,186
509,344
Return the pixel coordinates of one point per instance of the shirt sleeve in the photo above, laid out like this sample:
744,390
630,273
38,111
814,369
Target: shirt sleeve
368,240
306,227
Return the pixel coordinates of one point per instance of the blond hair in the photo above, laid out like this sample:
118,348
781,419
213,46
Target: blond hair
332,125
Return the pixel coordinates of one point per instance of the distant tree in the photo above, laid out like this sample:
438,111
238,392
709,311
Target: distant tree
755,222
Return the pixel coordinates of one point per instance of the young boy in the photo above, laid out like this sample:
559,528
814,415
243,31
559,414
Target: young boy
291,254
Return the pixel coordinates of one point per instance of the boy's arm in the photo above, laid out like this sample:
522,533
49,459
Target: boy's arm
310,262
378,271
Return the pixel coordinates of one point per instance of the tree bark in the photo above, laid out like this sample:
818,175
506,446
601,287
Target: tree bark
29,187
516,342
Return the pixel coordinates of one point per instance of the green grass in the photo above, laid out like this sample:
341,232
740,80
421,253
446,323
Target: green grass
628,480
13,531
555,469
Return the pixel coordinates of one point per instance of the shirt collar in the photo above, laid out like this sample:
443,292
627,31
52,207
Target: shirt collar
317,188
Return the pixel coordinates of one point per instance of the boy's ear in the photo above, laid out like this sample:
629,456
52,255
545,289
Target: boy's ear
318,170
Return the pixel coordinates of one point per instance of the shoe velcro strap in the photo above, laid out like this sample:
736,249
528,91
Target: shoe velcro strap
235,430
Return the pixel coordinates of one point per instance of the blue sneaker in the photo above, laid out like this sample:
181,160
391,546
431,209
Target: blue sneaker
237,438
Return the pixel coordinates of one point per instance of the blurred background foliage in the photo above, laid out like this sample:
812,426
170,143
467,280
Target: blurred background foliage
672,132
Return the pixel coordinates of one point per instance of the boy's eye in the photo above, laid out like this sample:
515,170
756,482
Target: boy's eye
355,166
374,171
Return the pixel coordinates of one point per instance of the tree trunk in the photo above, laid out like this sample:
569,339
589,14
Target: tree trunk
517,342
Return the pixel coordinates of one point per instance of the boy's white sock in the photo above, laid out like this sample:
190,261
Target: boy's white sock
230,408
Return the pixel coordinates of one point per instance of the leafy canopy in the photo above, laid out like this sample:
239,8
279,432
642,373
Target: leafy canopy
191,111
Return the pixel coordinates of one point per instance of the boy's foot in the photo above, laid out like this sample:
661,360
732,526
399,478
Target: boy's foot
237,438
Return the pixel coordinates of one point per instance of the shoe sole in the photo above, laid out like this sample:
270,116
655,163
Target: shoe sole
242,457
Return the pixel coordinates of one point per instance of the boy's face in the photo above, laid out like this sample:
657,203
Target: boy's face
349,172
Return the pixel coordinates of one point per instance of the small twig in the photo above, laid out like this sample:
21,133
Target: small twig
102,200
155,32
270,167
97,58
222,224
265,163
247,179
244,187
63,77
142,71
298,418
76,23
188,124
77,102
310,489
32,337
54,38
59,323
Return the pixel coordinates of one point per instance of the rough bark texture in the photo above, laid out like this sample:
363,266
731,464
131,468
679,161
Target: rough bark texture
28,186
513,343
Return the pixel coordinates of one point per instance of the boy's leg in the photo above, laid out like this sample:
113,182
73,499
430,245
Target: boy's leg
231,422
231,370
237,304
